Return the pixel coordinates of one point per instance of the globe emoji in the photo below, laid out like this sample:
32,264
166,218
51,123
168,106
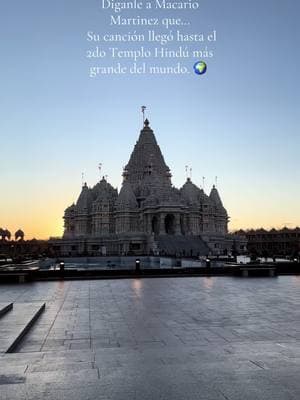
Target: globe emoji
200,67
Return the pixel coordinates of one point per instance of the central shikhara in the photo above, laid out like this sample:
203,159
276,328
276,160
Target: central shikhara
148,215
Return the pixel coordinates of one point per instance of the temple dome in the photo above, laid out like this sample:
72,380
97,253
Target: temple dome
191,192
104,191
126,198
215,197
216,200
85,199
70,209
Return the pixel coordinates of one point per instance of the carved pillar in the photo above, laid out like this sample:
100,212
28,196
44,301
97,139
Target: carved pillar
149,223
185,225
162,229
177,225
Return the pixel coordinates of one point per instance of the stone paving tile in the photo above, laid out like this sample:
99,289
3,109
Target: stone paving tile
157,339
60,366
10,369
14,391
62,377
253,386
74,355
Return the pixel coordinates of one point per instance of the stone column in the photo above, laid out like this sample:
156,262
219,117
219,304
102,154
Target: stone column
185,225
177,224
126,247
149,223
162,230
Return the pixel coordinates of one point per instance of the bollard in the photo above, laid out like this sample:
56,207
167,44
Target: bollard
137,265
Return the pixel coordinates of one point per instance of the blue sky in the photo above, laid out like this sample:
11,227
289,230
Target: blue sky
238,121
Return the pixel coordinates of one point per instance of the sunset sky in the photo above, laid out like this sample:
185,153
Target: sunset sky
239,121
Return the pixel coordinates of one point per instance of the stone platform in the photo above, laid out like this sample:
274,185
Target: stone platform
174,338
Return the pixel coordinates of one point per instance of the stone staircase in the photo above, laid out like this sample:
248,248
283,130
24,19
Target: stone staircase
4,308
15,321
188,246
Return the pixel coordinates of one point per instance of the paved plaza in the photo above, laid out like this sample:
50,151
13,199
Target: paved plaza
155,339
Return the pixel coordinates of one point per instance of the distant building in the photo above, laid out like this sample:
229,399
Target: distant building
148,216
269,243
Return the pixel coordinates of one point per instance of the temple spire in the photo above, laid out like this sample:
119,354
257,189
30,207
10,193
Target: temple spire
143,112
146,160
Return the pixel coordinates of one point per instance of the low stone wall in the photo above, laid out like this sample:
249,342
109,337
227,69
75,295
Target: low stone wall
106,262
128,262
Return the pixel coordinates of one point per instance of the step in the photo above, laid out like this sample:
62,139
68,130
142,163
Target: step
4,308
173,244
15,325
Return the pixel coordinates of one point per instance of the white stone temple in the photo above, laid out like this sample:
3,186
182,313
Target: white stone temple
149,216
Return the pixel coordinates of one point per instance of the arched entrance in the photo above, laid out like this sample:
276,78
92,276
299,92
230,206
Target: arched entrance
154,225
170,224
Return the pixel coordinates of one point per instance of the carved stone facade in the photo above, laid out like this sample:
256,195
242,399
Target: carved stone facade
149,215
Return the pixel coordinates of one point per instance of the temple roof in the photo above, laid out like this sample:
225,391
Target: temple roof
216,200
126,197
85,199
215,197
104,191
70,209
191,192
147,159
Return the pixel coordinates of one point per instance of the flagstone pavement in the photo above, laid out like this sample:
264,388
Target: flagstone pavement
159,339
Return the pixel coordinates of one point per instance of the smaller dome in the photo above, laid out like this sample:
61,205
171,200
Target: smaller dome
191,192
126,199
214,196
216,200
85,199
71,209
104,191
